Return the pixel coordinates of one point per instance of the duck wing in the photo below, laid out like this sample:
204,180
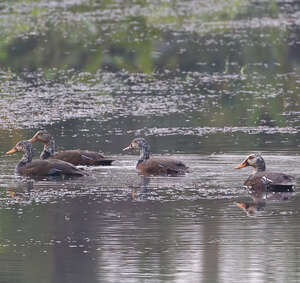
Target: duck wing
49,167
273,180
163,166
94,158
82,157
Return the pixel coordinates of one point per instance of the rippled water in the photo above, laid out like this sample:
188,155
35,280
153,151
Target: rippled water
205,82
115,225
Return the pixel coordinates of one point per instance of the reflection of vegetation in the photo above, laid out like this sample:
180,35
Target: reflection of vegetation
54,49
77,37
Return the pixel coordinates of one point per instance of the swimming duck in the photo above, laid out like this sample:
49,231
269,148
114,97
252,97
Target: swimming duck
75,156
261,179
29,167
155,165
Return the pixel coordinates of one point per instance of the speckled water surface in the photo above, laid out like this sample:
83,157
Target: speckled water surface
205,82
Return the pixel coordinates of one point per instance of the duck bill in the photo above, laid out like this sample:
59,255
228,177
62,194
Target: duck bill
127,148
242,165
13,150
33,139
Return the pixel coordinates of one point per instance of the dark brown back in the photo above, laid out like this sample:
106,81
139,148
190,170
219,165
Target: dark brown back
82,157
162,166
49,167
280,181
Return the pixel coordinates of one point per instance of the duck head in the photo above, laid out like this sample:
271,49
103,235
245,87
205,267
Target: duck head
254,160
22,146
142,145
41,136
138,143
26,148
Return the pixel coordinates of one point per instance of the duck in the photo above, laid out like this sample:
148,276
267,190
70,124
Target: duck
73,156
147,165
27,166
261,179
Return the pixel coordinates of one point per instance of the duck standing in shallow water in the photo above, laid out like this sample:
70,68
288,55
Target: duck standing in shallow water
261,179
41,167
155,165
75,156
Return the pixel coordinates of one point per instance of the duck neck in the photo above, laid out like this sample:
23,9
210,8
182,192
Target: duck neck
259,168
27,158
49,149
144,154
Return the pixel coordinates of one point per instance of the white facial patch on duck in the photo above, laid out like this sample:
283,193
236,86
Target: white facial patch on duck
251,159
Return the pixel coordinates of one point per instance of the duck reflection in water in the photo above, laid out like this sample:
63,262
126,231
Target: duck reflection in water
251,208
21,191
141,191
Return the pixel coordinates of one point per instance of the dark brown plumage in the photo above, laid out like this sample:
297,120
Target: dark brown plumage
155,165
82,157
75,156
261,179
41,167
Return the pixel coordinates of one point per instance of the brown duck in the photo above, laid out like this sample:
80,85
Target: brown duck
75,156
155,165
261,179
41,167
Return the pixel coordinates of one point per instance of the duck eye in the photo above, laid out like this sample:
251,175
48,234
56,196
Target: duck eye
251,157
